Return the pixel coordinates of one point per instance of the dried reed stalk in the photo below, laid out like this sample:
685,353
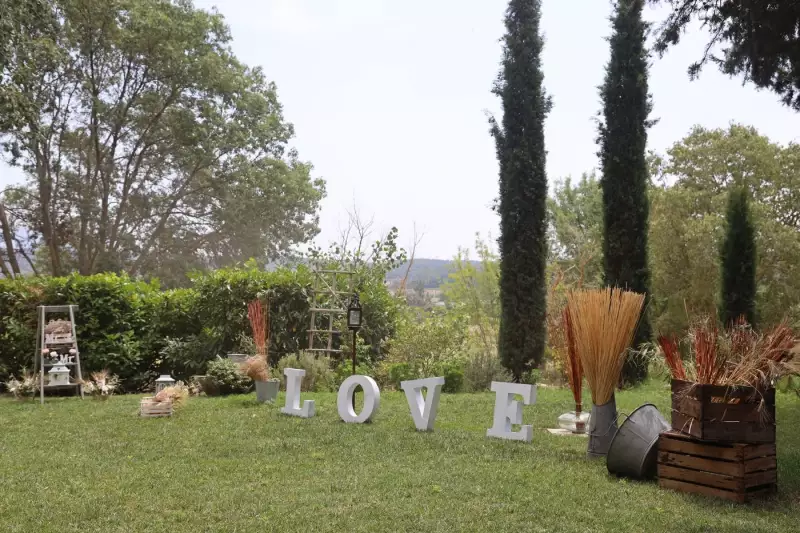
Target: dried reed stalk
574,368
259,323
604,322
672,356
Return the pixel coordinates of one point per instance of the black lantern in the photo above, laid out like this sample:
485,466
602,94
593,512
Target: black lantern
354,314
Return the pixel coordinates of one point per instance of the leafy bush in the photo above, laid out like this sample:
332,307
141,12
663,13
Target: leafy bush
453,376
319,375
480,369
399,372
226,378
137,331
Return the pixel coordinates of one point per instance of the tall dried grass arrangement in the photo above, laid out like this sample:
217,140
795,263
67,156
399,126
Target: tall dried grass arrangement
740,356
669,347
574,368
604,322
258,314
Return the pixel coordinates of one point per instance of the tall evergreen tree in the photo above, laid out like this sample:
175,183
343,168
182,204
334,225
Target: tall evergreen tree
623,139
523,190
738,260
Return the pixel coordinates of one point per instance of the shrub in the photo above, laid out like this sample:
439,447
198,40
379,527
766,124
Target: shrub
480,369
226,378
319,375
398,372
453,376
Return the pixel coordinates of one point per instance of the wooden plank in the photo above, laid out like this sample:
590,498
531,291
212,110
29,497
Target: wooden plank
761,463
757,479
687,424
687,406
728,412
709,479
744,432
682,486
759,450
681,444
700,463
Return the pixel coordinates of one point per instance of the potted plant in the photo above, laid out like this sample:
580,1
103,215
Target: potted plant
257,369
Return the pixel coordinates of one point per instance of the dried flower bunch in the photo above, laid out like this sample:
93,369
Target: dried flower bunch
734,356
256,368
25,387
58,326
603,322
101,385
177,394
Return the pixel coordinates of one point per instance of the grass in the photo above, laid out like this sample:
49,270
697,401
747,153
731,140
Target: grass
232,465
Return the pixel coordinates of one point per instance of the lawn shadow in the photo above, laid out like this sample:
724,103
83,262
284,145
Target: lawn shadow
251,403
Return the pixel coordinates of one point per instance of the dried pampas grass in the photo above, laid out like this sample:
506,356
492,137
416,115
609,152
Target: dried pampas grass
177,394
256,368
604,322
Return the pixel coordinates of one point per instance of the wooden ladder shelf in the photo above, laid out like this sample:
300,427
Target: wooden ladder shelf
61,342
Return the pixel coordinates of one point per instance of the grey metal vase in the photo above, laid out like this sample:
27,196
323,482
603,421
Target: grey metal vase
634,449
602,427
267,391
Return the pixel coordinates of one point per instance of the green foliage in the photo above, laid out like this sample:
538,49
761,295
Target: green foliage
399,372
756,39
319,375
738,260
147,145
226,378
696,176
480,369
523,190
453,373
138,331
623,140
576,218
426,340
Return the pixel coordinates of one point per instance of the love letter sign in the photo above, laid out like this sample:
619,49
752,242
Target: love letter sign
423,405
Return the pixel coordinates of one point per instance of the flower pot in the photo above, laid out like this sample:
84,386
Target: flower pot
267,391
602,428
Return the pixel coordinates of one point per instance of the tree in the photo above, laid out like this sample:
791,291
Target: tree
688,224
738,260
576,217
623,141
523,190
149,148
760,40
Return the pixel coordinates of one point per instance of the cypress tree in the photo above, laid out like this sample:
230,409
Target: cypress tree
623,140
738,261
523,190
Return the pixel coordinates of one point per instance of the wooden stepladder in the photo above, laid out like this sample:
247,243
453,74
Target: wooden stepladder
60,343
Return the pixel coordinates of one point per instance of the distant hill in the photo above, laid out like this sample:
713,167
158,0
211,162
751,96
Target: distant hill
431,272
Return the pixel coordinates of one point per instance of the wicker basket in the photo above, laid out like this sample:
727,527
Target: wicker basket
151,408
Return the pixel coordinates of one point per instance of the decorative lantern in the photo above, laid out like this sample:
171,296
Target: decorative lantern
164,381
59,375
354,314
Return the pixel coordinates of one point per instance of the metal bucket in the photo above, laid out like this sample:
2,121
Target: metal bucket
602,426
634,449
267,391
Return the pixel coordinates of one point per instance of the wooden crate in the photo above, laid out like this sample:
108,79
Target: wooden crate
723,414
737,472
151,408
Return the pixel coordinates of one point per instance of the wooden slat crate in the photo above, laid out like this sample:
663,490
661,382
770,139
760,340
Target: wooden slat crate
737,472
723,414
151,408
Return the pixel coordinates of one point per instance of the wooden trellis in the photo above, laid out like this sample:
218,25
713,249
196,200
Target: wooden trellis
330,296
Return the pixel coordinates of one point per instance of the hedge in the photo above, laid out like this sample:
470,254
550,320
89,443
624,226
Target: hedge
137,330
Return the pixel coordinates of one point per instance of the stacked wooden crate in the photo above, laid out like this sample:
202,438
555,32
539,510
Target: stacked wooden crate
722,442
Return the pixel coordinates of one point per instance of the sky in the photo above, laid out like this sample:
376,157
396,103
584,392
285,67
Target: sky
389,100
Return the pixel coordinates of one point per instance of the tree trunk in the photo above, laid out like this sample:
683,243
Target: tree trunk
8,237
45,196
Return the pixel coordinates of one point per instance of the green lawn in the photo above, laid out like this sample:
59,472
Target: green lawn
231,465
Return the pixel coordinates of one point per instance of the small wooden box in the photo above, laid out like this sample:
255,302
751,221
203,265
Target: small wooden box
723,414
737,472
151,408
